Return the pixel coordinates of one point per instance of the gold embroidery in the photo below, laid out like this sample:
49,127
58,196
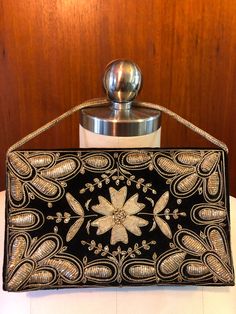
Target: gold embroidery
218,267
187,183
41,160
44,186
66,268
206,213
197,269
41,277
160,205
171,263
16,188
33,259
218,243
170,166
211,214
19,246
74,229
188,172
44,262
189,158
142,271
20,276
46,248
119,215
209,162
192,244
19,165
98,271
137,158
213,184
77,208
62,169
97,161
22,220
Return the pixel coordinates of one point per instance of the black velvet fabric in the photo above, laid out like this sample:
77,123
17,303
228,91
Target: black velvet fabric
81,218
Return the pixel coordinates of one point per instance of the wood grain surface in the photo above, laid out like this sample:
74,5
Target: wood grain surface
53,54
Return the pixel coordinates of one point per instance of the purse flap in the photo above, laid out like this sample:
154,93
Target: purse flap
117,217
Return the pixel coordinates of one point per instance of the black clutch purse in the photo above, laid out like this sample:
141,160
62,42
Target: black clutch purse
113,217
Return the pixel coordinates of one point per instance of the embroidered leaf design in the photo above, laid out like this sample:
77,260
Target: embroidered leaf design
150,200
150,167
59,217
74,229
202,235
154,256
145,189
125,171
74,204
87,204
67,217
88,226
161,203
91,188
164,227
112,258
216,238
119,279
85,260
128,182
153,226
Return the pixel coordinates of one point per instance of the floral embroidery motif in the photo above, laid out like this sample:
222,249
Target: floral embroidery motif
119,215
191,172
209,258
65,230
40,262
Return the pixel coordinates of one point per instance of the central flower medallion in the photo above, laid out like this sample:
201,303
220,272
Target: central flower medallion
118,215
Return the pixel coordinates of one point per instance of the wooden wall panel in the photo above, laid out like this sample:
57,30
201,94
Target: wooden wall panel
53,54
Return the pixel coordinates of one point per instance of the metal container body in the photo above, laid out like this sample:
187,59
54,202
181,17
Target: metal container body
135,121
90,139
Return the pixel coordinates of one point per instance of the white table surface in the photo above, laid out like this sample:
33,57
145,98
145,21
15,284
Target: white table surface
148,300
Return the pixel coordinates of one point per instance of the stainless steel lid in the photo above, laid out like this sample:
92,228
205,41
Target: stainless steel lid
122,81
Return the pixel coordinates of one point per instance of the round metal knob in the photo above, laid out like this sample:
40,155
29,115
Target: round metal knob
122,81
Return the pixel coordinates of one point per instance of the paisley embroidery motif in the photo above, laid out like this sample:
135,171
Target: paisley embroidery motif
190,172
